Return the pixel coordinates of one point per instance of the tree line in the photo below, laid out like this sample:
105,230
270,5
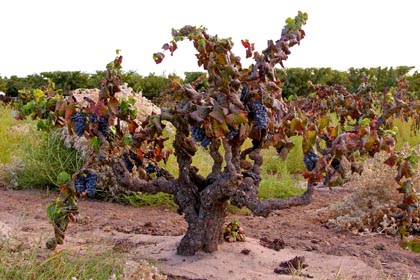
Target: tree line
297,81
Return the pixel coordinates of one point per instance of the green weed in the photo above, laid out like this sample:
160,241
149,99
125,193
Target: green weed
12,134
65,264
45,156
146,199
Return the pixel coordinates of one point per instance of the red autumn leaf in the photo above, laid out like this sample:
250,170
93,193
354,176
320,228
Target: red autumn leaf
307,175
132,126
70,109
118,61
409,200
158,154
245,43
173,47
391,161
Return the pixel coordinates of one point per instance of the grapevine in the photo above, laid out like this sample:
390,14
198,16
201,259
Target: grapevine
238,104
62,211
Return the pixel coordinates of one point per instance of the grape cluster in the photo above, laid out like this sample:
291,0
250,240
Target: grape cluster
310,159
259,114
91,183
103,125
199,135
232,133
135,157
80,183
380,121
128,164
92,118
244,94
86,183
79,120
150,169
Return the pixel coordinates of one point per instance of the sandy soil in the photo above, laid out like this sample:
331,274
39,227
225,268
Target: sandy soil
152,233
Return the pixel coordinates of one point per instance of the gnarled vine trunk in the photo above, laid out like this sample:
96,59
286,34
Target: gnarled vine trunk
205,231
204,201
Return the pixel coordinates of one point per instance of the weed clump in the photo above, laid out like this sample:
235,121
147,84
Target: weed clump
372,205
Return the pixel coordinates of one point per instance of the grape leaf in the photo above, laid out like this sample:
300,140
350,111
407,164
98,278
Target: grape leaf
158,57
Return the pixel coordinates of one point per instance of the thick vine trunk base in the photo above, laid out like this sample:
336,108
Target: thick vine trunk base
206,232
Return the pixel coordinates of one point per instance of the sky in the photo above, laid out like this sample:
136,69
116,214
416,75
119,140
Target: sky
82,35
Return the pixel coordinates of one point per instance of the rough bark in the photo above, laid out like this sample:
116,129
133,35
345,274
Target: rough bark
205,232
205,211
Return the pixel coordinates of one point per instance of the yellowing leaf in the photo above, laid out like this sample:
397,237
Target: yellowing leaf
311,136
39,95
295,125
323,122
219,129
332,132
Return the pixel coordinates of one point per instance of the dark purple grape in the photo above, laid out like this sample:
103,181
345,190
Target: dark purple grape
159,173
103,125
80,184
244,94
79,120
199,135
92,118
205,142
128,164
310,159
258,113
232,133
150,168
91,183
135,157
380,121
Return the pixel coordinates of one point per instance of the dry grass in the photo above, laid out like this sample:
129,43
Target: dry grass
374,199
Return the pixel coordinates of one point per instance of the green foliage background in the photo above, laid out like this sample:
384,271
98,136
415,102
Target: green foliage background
296,80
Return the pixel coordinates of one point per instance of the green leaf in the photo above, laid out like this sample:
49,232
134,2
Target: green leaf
96,143
364,122
127,139
63,177
413,245
41,125
289,20
52,210
413,158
